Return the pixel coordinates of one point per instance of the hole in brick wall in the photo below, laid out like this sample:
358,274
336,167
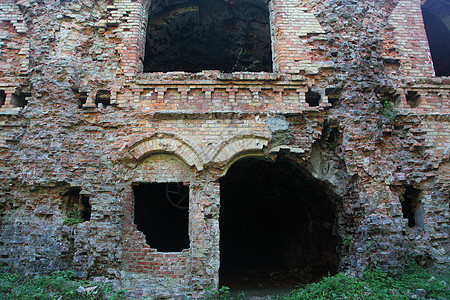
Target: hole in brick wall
312,98
2,97
85,208
21,99
387,94
412,207
77,204
435,17
81,96
333,95
162,214
330,134
103,99
413,99
196,35
277,225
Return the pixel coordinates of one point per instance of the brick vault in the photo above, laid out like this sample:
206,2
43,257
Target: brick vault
196,142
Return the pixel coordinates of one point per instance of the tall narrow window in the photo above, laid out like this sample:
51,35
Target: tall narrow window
162,214
2,97
436,15
196,35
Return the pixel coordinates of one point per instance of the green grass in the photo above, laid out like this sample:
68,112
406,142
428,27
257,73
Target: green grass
56,285
375,284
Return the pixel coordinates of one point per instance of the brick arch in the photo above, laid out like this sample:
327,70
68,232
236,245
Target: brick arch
163,142
238,146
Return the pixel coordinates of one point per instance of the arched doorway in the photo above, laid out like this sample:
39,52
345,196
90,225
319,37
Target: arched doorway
278,225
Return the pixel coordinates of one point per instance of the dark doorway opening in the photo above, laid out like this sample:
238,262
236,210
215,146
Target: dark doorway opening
412,207
162,214
196,35
277,226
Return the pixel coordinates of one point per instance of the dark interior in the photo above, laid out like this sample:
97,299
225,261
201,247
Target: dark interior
196,35
409,204
2,97
277,226
162,214
438,34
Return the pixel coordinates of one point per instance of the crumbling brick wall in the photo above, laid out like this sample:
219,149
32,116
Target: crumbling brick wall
79,114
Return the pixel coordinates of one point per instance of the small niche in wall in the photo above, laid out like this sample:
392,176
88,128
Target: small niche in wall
330,134
412,208
312,98
413,99
333,95
103,99
82,98
77,206
162,214
20,100
2,97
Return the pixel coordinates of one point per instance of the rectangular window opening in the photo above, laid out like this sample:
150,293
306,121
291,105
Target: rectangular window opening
312,98
103,99
193,36
162,214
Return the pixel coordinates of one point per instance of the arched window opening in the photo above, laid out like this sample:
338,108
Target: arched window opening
436,18
196,35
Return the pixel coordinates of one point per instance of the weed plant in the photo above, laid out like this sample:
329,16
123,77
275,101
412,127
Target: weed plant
56,285
390,110
72,218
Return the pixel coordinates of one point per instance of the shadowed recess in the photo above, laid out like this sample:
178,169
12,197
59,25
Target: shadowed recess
277,226
196,35
436,17
161,213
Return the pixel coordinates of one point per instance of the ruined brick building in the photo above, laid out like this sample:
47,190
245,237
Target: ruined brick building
202,140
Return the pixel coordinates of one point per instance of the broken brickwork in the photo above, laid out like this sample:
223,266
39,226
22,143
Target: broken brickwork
352,108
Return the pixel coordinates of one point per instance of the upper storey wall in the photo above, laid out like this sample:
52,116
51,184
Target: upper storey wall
300,33
89,46
14,44
410,44
303,33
